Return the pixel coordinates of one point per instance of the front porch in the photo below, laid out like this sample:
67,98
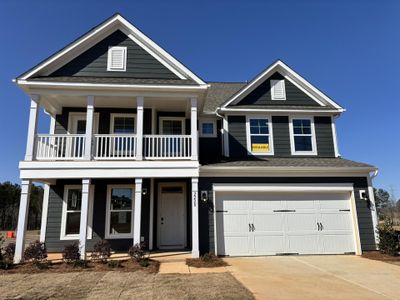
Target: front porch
159,212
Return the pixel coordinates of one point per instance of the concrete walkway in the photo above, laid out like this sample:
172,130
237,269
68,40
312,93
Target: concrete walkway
317,277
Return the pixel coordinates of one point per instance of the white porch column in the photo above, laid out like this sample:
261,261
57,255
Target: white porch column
138,210
139,127
374,211
195,217
83,229
89,127
22,220
32,127
193,127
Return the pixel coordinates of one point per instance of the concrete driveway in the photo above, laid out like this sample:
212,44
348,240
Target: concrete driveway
317,277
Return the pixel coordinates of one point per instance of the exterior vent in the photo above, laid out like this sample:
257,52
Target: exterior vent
278,91
116,59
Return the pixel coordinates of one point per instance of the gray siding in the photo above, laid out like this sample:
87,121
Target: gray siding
281,136
210,148
262,95
53,242
206,220
93,62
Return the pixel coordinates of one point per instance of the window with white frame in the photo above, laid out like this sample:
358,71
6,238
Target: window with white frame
208,128
259,137
278,90
172,125
116,59
71,213
120,211
123,123
302,136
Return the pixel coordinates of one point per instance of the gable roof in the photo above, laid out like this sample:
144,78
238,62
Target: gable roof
219,92
94,35
290,75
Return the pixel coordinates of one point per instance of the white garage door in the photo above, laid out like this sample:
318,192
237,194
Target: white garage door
259,223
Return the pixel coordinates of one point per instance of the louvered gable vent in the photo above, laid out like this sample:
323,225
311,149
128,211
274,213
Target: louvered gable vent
116,59
278,89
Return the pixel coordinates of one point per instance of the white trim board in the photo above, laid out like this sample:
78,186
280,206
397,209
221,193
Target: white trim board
314,150
270,135
290,75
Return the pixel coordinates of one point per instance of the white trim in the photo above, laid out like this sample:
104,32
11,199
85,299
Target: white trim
45,209
195,217
166,118
151,219
119,22
314,150
334,134
159,191
139,127
32,127
282,110
207,120
225,128
273,83
374,211
270,135
289,74
122,115
356,231
283,187
110,57
108,235
65,237
137,217
22,220
74,116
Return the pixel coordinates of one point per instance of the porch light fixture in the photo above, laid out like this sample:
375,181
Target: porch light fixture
204,196
144,191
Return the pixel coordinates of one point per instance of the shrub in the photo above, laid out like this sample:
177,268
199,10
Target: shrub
36,252
8,252
144,262
388,238
71,253
137,253
80,263
101,251
114,264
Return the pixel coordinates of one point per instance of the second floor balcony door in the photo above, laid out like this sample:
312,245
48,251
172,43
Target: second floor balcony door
77,130
123,129
173,127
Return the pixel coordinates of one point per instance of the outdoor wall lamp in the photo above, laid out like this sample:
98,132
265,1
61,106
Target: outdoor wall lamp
204,196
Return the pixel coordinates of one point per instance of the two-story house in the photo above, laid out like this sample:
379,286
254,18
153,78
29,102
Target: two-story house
140,149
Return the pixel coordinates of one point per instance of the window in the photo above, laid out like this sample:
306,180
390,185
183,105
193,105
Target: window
71,213
123,123
302,136
278,91
208,128
259,136
120,211
172,125
116,60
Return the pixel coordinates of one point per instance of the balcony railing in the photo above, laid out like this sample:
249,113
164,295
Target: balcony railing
60,146
113,147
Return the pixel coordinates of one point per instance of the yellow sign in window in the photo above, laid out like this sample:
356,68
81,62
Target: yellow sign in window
259,147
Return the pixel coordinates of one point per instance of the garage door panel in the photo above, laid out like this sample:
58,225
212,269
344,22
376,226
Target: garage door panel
303,244
336,222
267,204
301,204
300,222
234,245
235,223
269,244
337,243
266,223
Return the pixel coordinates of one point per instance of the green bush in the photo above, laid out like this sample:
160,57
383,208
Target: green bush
114,264
388,238
136,252
36,252
80,263
101,251
71,253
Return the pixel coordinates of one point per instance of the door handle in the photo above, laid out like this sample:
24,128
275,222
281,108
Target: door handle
252,227
322,227
318,225
249,227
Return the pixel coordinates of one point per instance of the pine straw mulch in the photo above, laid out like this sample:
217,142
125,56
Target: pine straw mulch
376,255
62,267
206,261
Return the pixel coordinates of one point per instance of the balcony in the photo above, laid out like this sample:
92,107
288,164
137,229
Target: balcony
58,147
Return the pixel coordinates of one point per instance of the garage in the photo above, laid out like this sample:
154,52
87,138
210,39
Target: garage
284,220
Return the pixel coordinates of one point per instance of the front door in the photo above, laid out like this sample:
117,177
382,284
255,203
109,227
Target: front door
171,216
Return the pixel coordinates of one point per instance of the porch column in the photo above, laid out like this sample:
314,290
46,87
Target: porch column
22,220
84,217
193,127
32,127
138,211
89,127
195,217
139,127
374,211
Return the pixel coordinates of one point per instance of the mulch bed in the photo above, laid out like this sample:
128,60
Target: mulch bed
209,262
60,267
376,255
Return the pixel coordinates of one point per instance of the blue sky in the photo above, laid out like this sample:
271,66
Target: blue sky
348,49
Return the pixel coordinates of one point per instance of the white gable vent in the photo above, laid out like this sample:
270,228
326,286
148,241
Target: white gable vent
116,59
278,91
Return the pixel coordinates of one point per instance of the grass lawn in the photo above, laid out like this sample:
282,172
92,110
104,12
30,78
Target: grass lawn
121,285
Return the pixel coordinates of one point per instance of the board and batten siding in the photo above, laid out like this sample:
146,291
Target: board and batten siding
261,95
281,137
53,226
93,62
206,213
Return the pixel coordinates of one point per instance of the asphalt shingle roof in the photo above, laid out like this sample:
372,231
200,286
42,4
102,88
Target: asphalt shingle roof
219,93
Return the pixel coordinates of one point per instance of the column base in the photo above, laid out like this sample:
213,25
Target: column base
195,253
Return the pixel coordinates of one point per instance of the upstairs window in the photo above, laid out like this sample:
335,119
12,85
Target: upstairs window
208,128
116,59
259,136
278,91
302,136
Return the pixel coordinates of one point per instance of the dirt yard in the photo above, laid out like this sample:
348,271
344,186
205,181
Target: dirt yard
121,285
376,255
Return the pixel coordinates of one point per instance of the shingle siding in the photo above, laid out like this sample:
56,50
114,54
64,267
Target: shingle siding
93,62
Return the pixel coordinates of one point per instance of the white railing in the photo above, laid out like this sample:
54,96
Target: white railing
167,147
60,146
115,146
